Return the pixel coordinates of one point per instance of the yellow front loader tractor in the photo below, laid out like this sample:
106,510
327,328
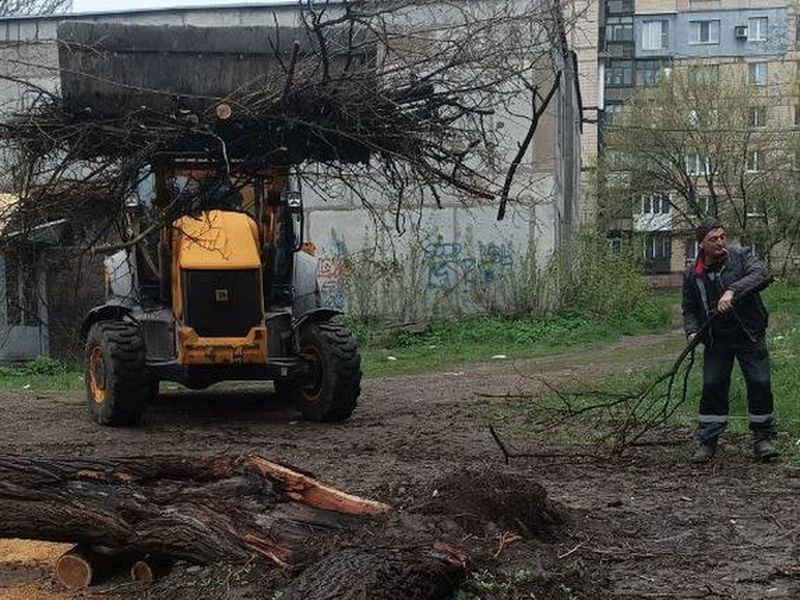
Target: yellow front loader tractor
224,290
212,280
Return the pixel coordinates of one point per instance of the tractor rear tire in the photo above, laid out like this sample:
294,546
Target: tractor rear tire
117,382
332,393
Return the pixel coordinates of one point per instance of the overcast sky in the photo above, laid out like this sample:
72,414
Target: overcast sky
111,5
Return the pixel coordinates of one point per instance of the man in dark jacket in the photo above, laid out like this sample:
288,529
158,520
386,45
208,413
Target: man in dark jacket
728,280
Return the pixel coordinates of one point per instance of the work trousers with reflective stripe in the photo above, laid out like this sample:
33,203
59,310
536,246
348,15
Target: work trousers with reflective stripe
717,366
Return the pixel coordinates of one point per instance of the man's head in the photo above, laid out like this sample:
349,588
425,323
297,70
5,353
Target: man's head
710,236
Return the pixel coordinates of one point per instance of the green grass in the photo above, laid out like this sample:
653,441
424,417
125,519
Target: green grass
42,374
481,338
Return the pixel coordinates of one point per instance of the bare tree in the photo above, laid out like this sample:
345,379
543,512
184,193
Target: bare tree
33,7
397,97
709,143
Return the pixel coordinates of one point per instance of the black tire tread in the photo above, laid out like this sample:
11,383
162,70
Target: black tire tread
127,383
343,364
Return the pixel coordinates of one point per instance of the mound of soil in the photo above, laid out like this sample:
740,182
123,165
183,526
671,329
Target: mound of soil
481,502
354,574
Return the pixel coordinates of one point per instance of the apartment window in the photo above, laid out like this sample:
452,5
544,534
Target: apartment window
696,119
704,205
619,161
610,113
619,29
619,6
655,35
754,161
691,250
757,29
704,74
658,246
654,204
619,73
649,72
615,243
758,249
697,165
757,73
758,116
797,115
704,32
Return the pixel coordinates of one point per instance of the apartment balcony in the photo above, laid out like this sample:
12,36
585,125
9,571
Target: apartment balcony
644,222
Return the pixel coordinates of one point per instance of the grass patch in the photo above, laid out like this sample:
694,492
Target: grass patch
482,338
42,374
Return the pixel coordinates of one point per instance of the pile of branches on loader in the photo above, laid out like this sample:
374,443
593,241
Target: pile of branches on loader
398,97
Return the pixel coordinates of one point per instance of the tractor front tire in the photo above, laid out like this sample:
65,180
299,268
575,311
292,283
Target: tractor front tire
117,382
332,392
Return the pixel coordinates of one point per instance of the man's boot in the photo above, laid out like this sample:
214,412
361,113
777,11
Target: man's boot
764,449
705,452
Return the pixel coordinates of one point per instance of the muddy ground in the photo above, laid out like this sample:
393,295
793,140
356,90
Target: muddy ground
645,526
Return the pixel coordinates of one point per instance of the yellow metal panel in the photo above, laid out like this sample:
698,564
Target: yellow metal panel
216,240
248,350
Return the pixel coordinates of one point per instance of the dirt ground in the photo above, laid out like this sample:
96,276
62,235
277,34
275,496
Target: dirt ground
646,526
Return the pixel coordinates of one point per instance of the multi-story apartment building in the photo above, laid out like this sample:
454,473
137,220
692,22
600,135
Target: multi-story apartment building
641,40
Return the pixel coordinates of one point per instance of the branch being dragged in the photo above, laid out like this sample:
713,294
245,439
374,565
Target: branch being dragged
624,419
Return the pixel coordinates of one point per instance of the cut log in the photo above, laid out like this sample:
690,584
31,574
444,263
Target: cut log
151,567
200,510
82,565
74,568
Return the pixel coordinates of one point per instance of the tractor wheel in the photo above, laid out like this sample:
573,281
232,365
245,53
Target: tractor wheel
117,383
332,392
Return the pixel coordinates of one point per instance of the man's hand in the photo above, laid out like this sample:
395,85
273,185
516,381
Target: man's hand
690,337
725,302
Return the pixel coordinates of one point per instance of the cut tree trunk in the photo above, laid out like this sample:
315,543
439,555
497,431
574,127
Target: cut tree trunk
149,568
82,565
200,510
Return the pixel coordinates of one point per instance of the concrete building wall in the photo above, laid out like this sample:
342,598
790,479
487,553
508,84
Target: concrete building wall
583,40
680,43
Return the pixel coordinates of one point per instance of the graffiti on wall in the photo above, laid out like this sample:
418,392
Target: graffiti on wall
452,265
448,266
494,260
330,285
330,275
